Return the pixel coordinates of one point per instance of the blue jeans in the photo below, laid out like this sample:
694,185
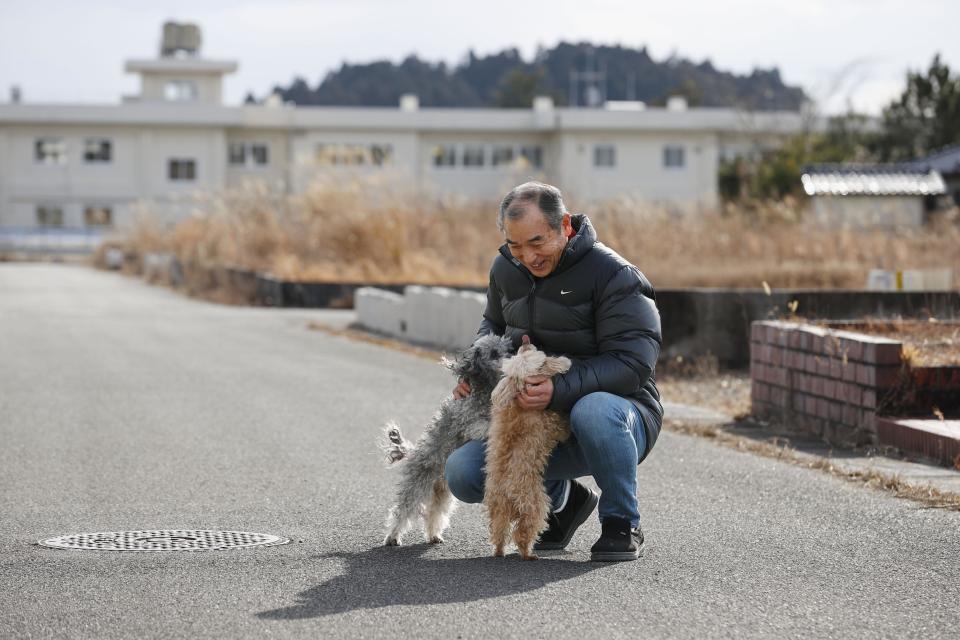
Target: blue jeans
608,439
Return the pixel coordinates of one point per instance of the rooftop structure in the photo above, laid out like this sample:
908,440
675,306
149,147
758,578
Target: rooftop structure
895,195
871,180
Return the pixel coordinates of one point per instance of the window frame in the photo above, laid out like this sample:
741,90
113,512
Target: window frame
39,156
234,146
352,154
252,151
605,156
496,152
173,91
496,156
172,169
469,153
449,152
536,162
88,208
48,207
681,155
105,143
246,152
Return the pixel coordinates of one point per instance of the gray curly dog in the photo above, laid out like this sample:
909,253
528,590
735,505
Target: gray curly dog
422,490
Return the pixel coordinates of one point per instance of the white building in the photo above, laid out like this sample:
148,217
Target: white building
75,167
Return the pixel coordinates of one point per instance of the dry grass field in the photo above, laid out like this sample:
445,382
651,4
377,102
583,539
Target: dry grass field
379,232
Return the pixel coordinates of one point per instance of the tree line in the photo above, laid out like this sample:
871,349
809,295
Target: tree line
572,73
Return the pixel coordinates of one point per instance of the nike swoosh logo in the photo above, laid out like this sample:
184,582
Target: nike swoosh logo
563,293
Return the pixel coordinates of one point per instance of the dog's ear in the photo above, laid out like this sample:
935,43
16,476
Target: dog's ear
553,366
464,363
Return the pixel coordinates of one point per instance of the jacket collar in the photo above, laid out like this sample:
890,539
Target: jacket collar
582,241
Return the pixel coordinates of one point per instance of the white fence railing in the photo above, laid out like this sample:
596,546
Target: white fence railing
49,240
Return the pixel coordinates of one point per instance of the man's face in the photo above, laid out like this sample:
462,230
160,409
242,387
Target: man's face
532,241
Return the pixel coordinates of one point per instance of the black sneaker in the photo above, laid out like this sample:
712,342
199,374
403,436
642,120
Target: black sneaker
618,542
580,504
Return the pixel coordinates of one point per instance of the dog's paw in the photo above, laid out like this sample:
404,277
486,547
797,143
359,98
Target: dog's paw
393,445
393,434
391,542
435,540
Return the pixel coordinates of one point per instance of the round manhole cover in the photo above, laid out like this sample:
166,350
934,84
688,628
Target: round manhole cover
163,540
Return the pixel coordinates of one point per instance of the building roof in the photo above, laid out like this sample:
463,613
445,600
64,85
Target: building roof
871,180
702,120
946,160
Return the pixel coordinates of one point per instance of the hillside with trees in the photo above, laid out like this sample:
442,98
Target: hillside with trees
579,73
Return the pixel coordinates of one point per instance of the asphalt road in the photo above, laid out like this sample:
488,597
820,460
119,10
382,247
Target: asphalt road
125,406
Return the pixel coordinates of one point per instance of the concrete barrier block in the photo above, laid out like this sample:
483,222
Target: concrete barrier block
380,310
440,317
470,308
395,314
441,302
156,266
363,303
114,258
424,328
910,280
938,279
416,314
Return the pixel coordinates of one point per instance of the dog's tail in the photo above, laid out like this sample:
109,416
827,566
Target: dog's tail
394,446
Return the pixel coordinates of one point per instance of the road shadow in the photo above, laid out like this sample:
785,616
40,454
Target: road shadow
387,576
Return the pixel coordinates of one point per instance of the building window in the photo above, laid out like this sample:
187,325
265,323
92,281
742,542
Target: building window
259,155
252,154
97,151
332,154
495,155
180,91
51,150
501,155
96,216
182,169
473,155
381,154
604,156
445,155
375,155
673,157
49,216
237,154
532,155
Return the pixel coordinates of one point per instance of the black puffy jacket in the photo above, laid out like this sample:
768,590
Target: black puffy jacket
595,308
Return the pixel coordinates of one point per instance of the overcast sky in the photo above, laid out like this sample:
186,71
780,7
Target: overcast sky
837,50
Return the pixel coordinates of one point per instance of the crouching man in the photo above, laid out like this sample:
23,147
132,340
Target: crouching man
575,297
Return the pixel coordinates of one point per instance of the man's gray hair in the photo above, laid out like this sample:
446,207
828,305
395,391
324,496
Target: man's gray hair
547,198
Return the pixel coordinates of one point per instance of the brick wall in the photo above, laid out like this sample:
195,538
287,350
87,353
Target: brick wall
827,382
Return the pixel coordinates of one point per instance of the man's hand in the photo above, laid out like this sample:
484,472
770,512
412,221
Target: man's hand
462,390
536,394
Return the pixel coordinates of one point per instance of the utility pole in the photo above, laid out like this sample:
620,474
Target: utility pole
593,79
